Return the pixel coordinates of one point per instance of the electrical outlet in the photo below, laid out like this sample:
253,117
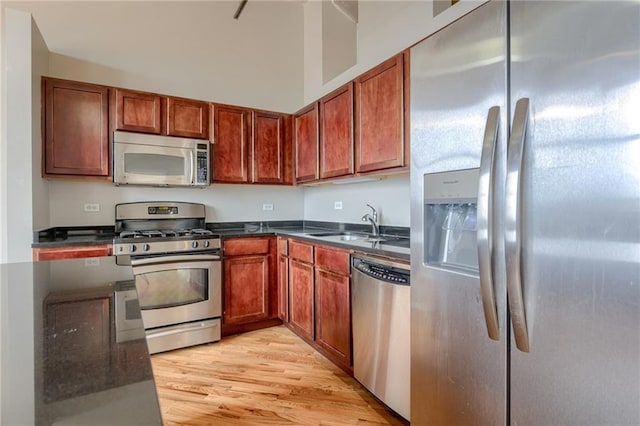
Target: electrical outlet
92,261
92,207
337,205
267,206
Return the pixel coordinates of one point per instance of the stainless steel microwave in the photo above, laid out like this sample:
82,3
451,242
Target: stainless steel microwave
140,159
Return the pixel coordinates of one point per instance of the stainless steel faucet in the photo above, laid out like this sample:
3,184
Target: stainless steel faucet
373,218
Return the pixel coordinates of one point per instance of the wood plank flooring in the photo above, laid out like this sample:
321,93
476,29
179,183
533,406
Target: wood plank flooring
264,377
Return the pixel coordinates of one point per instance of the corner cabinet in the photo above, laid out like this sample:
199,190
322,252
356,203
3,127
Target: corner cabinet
283,279
250,146
250,287
319,299
382,111
75,129
305,123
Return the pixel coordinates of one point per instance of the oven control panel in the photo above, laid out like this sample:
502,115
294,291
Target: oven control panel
141,248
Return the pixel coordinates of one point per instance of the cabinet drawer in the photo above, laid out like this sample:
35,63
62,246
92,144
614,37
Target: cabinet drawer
243,246
301,251
332,259
72,252
283,246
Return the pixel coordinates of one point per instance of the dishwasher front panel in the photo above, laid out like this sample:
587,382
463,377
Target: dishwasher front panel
380,303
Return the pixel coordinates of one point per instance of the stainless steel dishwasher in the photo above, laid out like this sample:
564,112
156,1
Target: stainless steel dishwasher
380,303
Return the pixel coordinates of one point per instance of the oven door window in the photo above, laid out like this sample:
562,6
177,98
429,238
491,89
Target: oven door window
173,287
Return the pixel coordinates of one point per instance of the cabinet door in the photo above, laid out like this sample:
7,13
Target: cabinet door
78,337
187,118
138,112
231,154
336,133
268,147
283,288
380,117
301,298
76,135
306,144
246,289
333,315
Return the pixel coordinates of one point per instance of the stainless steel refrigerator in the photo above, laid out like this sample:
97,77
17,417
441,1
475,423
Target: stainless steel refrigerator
525,216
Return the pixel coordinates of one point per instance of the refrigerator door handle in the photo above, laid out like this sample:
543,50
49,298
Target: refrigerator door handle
512,224
485,222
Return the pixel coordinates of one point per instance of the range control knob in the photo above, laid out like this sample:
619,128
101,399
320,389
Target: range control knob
132,248
206,243
146,247
194,244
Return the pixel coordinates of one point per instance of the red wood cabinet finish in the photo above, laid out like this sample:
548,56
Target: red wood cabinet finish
336,133
301,294
231,150
306,144
250,284
381,142
76,129
268,151
333,315
283,279
187,118
138,111
72,252
246,289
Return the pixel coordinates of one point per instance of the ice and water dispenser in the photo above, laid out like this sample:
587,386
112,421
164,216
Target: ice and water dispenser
450,207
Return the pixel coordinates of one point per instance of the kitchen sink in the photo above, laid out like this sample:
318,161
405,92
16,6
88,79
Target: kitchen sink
359,237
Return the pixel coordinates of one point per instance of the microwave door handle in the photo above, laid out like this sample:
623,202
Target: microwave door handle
192,166
485,223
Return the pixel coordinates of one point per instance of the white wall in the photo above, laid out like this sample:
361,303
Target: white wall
224,203
384,28
26,59
389,196
191,49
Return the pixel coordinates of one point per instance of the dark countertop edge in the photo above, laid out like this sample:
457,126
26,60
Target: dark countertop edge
99,235
67,236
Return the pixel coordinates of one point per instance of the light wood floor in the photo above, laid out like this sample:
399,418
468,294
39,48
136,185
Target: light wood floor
264,377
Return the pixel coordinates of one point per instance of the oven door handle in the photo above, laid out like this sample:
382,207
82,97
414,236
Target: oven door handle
173,259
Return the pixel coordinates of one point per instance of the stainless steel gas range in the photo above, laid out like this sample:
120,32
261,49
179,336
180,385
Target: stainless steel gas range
177,267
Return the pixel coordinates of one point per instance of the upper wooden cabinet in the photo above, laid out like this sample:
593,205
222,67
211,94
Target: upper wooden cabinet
138,111
336,133
306,143
75,129
250,146
231,136
268,142
187,118
381,106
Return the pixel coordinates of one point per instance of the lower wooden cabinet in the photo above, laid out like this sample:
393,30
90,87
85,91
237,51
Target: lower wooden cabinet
301,292
333,315
319,298
250,284
246,289
283,279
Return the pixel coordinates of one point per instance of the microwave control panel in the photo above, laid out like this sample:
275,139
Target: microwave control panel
202,167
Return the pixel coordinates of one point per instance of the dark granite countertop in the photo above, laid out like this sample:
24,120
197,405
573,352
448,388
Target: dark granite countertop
63,359
65,236
397,244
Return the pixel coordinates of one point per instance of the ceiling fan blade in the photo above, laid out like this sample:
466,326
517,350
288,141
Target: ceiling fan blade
240,7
